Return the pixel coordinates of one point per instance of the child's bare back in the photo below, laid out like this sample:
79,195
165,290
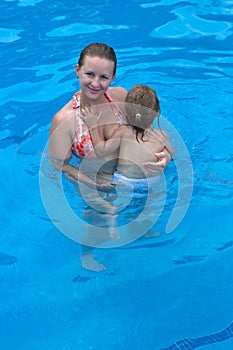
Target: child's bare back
135,151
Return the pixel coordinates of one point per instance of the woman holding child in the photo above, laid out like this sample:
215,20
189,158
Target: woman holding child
69,135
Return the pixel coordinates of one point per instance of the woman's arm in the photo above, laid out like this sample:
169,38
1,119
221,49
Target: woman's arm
164,157
60,139
60,147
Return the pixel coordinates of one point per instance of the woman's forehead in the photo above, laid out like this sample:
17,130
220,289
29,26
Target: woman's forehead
96,63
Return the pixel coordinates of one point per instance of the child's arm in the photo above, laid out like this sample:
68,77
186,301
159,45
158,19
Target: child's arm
102,147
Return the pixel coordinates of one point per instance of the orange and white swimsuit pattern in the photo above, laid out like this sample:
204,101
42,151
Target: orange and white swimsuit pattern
82,145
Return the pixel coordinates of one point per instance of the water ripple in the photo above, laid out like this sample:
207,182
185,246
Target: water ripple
82,28
6,259
189,24
9,35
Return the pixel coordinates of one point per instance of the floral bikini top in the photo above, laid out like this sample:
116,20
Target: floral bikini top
82,145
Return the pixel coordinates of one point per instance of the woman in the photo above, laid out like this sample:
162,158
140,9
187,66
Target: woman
96,69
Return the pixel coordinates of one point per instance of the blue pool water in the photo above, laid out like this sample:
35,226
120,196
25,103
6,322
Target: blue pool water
174,291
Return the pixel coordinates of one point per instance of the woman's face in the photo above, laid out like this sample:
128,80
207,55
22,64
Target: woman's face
95,76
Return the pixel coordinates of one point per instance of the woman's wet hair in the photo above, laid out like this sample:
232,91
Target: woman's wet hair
142,106
98,50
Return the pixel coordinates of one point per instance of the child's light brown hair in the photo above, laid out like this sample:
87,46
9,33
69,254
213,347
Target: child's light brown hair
142,107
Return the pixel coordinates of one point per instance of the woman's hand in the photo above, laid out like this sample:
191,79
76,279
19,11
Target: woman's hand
164,158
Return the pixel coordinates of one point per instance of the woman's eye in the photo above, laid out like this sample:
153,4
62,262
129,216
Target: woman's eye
104,77
89,74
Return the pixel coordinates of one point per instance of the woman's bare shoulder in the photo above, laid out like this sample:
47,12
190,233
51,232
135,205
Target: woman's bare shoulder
118,93
65,116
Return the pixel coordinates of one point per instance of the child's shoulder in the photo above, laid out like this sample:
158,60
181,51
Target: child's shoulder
160,135
159,132
124,128
126,132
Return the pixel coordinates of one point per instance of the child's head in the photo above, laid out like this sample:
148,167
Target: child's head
142,107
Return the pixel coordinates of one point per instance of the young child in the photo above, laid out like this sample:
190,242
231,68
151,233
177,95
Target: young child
138,140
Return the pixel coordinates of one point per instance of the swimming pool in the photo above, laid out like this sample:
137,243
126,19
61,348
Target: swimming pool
170,292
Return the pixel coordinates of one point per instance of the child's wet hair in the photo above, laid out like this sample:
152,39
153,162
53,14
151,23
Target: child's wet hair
142,107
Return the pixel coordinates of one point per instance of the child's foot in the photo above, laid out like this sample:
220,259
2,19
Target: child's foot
89,263
114,233
151,234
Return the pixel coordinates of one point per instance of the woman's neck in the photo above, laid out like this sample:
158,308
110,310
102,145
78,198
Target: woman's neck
85,102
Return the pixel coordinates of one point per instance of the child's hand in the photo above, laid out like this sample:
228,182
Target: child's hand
90,117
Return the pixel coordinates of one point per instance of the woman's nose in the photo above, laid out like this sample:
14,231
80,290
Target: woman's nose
95,81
